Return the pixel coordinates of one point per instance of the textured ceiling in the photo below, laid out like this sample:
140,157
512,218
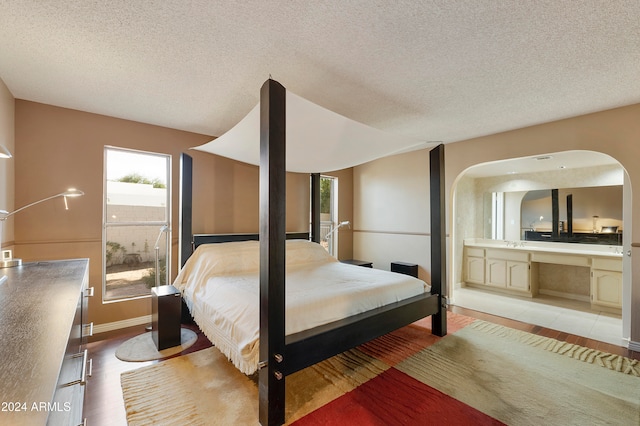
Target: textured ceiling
543,163
443,70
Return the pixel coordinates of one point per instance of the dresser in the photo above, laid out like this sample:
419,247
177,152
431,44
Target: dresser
43,330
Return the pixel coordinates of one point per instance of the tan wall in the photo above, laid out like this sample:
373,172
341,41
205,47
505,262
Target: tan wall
7,113
391,205
57,148
226,196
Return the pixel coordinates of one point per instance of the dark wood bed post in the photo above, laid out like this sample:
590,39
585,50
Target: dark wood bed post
315,207
438,238
555,215
186,208
271,380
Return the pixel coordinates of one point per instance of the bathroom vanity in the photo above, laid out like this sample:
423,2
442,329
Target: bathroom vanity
584,272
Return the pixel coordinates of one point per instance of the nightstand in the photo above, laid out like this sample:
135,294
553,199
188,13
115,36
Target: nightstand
357,262
405,268
166,309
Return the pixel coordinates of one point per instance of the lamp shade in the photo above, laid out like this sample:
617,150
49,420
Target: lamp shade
72,192
4,152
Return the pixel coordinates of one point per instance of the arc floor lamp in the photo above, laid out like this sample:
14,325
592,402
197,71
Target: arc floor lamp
7,260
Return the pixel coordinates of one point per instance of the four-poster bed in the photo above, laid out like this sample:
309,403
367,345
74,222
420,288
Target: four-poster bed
281,354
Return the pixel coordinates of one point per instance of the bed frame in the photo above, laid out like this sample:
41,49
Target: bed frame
282,355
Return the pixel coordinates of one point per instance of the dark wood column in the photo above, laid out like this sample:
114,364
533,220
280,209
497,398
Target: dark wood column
555,215
570,215
315,207
438,238
186,207
271,387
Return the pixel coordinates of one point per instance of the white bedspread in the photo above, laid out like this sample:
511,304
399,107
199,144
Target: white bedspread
220,285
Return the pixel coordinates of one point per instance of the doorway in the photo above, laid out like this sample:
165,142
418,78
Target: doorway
329,214
571,169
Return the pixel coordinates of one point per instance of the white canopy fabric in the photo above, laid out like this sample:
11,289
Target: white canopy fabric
318,140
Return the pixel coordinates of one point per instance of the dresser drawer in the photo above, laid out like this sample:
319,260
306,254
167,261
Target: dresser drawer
474,251
607,264
513,255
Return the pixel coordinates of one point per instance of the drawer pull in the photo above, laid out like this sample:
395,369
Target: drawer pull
90,373
89,292
90,326
83,376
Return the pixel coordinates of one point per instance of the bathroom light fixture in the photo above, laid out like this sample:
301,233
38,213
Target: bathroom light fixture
6,260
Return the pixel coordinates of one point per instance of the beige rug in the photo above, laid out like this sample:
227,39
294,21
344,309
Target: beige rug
141,348
524,379
502,374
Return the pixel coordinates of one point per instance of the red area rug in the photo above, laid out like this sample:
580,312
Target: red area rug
393,397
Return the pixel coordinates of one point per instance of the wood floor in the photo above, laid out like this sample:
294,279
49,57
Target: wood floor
104,404
103,398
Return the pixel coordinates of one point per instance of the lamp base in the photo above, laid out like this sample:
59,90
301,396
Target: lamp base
10,263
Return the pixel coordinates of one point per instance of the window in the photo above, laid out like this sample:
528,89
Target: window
136,222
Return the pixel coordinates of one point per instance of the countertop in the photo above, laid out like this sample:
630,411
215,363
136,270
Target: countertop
38,301
548,247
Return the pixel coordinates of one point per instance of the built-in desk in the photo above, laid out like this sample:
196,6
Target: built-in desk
513,267
42,362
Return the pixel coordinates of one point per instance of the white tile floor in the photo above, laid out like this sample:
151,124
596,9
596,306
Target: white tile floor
551,312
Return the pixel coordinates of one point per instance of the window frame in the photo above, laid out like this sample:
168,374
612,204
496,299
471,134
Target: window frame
160,224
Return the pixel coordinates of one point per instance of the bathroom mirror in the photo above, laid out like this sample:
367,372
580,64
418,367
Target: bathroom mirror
585,215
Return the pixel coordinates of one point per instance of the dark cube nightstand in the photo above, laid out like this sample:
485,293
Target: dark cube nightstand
166,307
364,263
405,268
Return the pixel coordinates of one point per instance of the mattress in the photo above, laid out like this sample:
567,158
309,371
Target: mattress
220,285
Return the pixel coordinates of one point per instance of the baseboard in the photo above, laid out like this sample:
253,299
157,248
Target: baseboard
116,325
571,296
634,346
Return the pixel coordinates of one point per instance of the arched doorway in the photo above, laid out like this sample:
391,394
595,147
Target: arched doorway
471,220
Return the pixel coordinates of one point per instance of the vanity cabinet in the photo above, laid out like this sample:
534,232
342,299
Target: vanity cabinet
518,276
496,273
518,271
499,269
606,284
474,270
508,269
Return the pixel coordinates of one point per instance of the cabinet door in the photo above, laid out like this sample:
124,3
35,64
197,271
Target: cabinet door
496,273
518,277
475,270
606,288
